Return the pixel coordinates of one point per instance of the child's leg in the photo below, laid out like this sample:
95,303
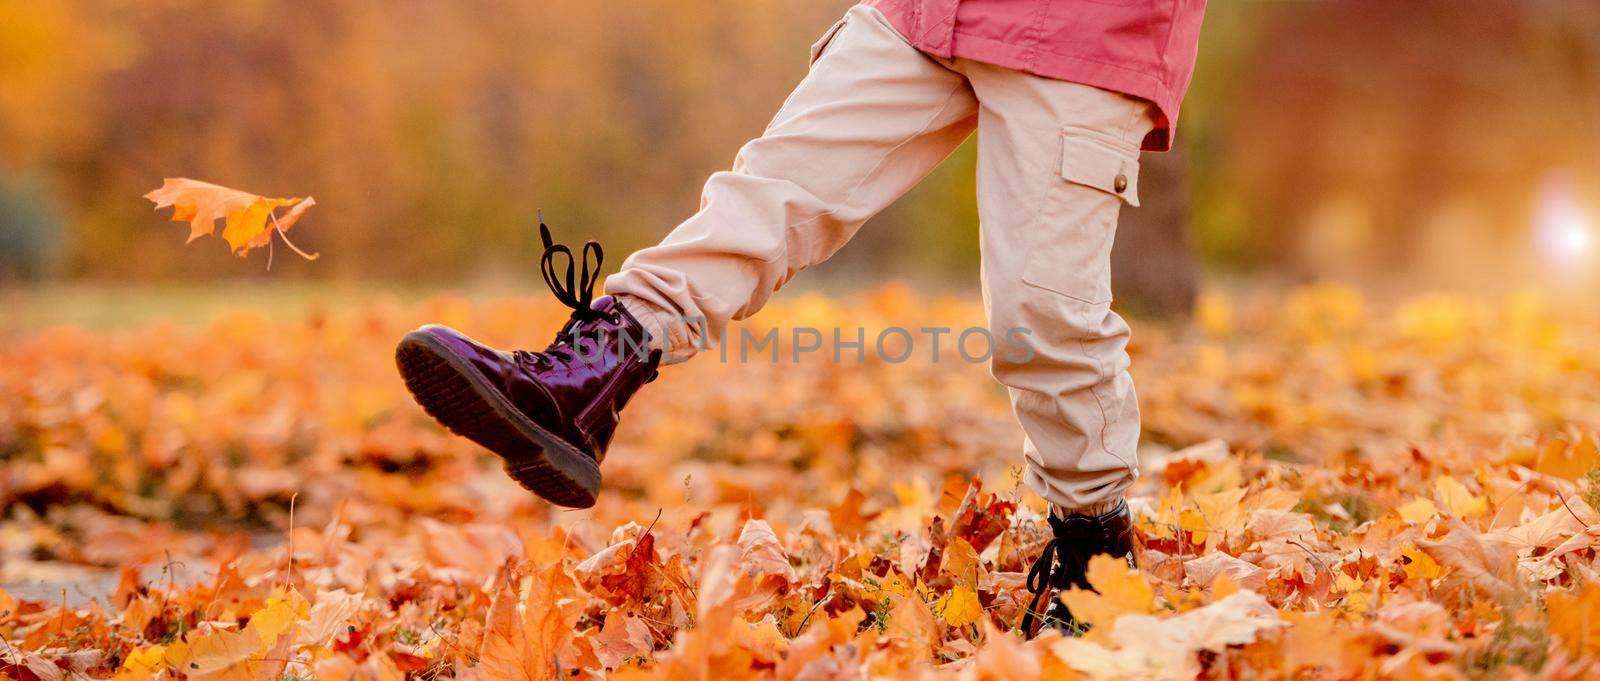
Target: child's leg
872,118
1056,161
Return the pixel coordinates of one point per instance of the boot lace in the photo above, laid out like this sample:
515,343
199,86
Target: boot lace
576,292
1064,561
575,289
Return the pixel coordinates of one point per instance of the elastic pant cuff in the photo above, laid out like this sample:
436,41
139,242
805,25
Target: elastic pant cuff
1096,509
668,332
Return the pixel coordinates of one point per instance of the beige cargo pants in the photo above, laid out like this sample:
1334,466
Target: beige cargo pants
1056,160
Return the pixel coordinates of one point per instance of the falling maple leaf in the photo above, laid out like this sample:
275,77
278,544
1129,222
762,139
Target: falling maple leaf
246,216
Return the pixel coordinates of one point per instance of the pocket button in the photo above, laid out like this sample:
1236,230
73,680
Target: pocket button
1121,183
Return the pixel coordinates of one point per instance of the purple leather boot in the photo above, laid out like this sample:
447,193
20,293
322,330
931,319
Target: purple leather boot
549,414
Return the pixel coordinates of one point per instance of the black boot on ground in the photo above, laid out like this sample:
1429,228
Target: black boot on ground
1064,563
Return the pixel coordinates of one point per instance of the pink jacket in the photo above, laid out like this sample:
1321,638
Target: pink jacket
1143,48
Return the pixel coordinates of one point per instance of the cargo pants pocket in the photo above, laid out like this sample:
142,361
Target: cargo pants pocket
1069,242
817,48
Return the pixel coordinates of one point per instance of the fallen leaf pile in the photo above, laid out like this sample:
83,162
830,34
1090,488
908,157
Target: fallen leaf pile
1333,489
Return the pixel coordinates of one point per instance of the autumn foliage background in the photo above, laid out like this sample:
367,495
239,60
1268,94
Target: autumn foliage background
1370,441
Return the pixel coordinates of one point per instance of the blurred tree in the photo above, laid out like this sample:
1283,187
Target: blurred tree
53,56
1376,139
1153,266
30,231
1228,44
431,132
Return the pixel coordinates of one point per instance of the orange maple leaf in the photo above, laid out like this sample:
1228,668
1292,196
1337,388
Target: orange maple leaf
1118,590
529,625
1574,621
246,216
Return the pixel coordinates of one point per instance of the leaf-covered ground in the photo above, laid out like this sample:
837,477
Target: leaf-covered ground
1334,488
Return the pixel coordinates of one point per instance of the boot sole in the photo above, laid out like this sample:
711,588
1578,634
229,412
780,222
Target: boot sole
461,400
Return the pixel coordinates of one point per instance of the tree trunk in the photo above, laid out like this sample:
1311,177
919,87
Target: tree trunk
1153,269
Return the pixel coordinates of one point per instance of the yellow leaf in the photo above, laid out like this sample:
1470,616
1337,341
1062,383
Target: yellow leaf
1417,511
230,652
961,561
1348,584
1169,514
1357,598
146,659
1358,602
1457,500
283,610
1121,590
244,225
248,216
895,584
1215,515
176,655
1420,565
1222,507
960,606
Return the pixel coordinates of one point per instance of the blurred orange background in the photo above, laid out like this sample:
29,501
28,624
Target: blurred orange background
1426,143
